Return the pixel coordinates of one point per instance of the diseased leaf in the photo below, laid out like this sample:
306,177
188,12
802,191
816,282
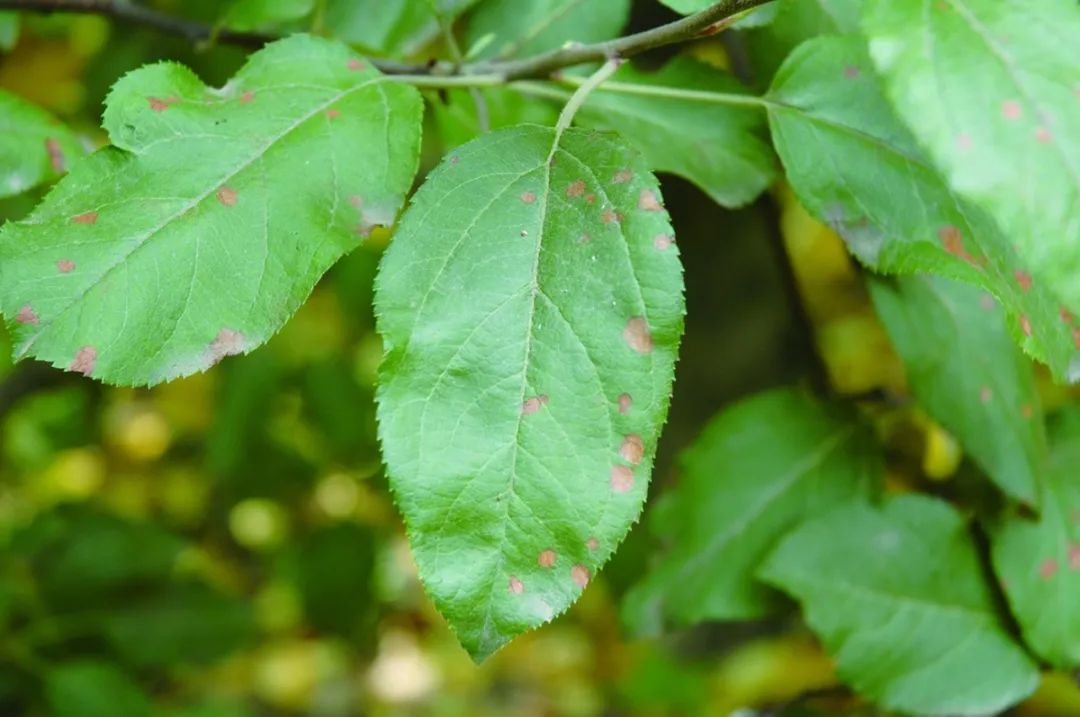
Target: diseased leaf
34,147
966,372
210,221
854,166
758,468
898,597
92,688
721,148
528,27
400,27
1038,559
531,309
256,14
992,89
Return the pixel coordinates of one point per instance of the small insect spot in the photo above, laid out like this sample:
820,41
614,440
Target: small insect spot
622,479
576,189
85,360
1025,324
1048,568
85,218
1074,557
355,65
516,586
531,405
1027,411
333,113
663,241
227,343
985,394
580,575
963,142
1011,110
1043,135
647,200
56,155
632,449
637,336
1023,279
625,402
851,72
65,266
227,196
528,197
546,558
27,315
247,97
592,543
622,176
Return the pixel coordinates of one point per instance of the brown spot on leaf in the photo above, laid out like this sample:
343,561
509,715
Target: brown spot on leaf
1076,337
851,72
247,97
1074,557
1027,411
590,199
647,200
546,558
56,155
632,449
528,197
1011,110
625,402
637,335
576,188
622,479
333,113
85,218
1023,279
592,543
622,176
1048,568
1043,135
455,159
85,360
227,196
227,343
985,394
963,142
27,315
953,241
663,241
608,216
1025,324
65,266
157,105
1065,315
580,575
355,65
516,586
356,200
531,405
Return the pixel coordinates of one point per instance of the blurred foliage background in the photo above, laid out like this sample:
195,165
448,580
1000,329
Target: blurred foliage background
226,545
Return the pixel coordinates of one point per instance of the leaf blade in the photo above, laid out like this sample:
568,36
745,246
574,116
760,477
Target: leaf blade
34,147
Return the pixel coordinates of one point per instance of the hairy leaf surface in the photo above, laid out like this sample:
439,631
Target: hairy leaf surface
1038,559
902,587
531,308
856,167
992,89
207,224
966,372
758,469
527,27
34,147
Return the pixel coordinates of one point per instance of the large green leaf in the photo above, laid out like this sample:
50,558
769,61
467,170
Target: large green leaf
531,307
990,87
899,598
1038,559
966,372
91,688
210,221
758,469
721,148
34,147
527,27
390,26
856,167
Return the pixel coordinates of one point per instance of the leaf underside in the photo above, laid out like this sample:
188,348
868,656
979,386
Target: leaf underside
531,308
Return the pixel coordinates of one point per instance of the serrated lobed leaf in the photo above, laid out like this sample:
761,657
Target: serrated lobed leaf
856,167
721,148
531,308
898,596
758,468
992,89
1038,559
966,372
34,147
528,27
208,223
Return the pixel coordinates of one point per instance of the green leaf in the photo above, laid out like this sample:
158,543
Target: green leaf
757,469
90,688
721,148
856,167
9,30
261,14
1039,559
395,27
531,308
457,121
792,22
966,372
34,147
990,88
210,221
898,597
528,27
